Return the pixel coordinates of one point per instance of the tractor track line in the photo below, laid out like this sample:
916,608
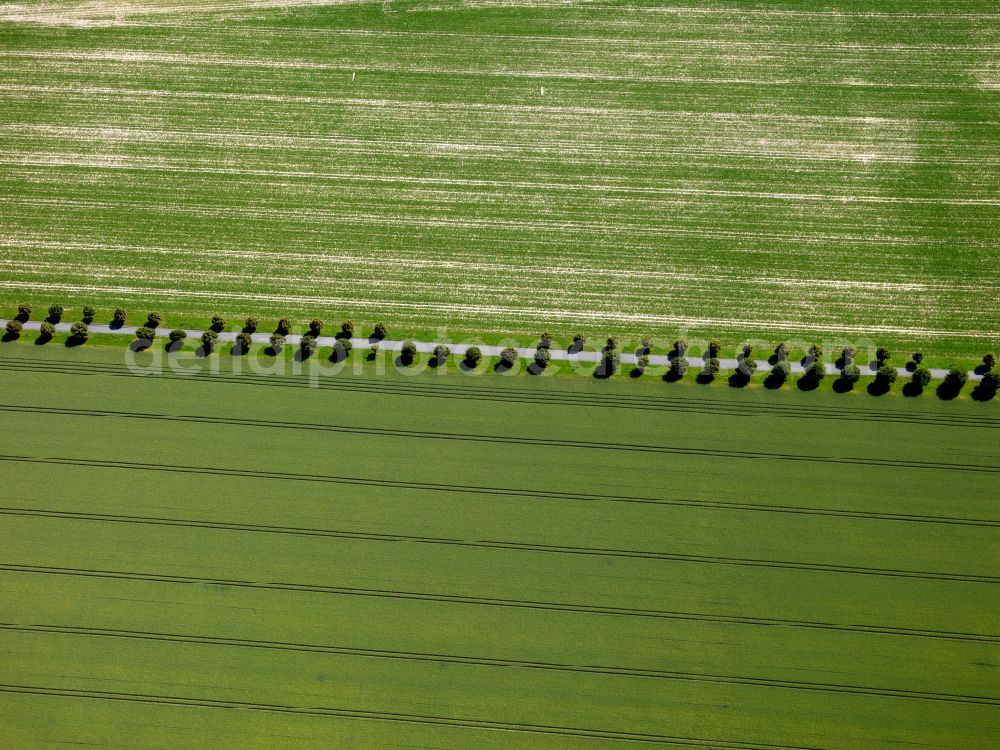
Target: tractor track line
497,491
504,545
417,656
585,609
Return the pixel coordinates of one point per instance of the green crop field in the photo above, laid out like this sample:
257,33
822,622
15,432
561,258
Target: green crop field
237,561
769,168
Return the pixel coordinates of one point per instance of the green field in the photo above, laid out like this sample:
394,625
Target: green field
771,169
451,562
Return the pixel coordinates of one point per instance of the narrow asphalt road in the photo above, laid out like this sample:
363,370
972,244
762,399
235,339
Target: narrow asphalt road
696,363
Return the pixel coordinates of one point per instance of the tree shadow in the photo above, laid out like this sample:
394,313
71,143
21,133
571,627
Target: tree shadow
772,382
603,371
202,352
535,368
912,390
948,391
636,372
301,355
738,380
981,369
670,376
983,392
843,385
338,355
910,366
115,325
173,346
841,362
140,345
217,327
807,383
704,378
74,341
270,351
9,336
340,335
43,339
238,350
22,317
464,366
502,365
575,348
878,387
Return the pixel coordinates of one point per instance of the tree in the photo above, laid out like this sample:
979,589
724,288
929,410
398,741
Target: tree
378,332
177,335
816,351
347,328
848,353
781,371
509,355
542,357
78,333
408,353
747,351
208,341
47,331
218,323
611,360
284,326
545,340
88,313
989,361
315,326
678,367
342,349
987,387
709,372
642,362
472,357
243,342
921,378
250,325
851,374
612,344
118,317
24,311
55,313
14,328
714,347
882,355
441,353
372,352
154,320
647,344
781,350
145,333
277,342
918,357
956,378
747,366
307,344
886,376
816,371
681,347
579,339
